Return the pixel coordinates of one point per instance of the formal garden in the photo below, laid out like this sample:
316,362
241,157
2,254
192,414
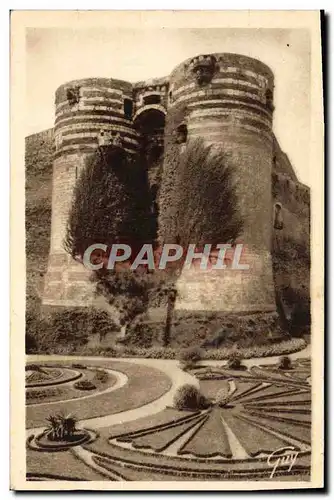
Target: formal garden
186,419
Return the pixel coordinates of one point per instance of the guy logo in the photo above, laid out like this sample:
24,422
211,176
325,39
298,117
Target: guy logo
282,457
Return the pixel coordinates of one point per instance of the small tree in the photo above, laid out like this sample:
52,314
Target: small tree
129,292
189,357
234,361
285,363
188,397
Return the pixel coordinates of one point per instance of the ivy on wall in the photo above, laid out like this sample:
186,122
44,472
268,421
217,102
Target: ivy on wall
111,203
167,194
202,207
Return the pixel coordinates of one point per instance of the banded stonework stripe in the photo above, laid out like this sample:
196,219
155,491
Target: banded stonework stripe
238,114
86,140
229,104
94,116
93,135
94,129
214,87
74,149
94,108
202,94
230,82
90,101
204,132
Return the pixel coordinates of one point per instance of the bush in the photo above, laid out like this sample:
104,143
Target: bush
31,344
192,355
234,361
33,367
101,376
66,330
188,397
156,352
285,363
139,335
222,397
78,366
84,385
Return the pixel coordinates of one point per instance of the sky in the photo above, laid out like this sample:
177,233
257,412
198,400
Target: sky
57,55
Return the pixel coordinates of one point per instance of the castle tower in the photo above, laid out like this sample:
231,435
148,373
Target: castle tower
84,108
227,99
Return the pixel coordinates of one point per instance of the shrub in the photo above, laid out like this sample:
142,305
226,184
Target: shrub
285,363
234,361
191,355
78,366
188,397
84,385
31,344
61,427
33,367
36,328
157,352
101,376
109,351
222,397
139,334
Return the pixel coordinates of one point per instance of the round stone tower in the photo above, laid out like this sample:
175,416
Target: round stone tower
87,111
227,99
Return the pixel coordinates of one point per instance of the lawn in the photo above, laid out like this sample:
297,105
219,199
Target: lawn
62,464
144,385
65,391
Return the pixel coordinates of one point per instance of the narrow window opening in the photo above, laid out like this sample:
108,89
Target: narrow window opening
278,216
128,108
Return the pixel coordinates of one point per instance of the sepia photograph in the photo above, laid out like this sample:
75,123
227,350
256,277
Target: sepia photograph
169,206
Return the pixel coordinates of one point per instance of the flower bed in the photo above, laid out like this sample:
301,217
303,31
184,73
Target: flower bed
284,347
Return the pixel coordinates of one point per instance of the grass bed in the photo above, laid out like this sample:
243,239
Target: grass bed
253,439
63,464
161,439
210,439
293,430
61,392
144,386
144,465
